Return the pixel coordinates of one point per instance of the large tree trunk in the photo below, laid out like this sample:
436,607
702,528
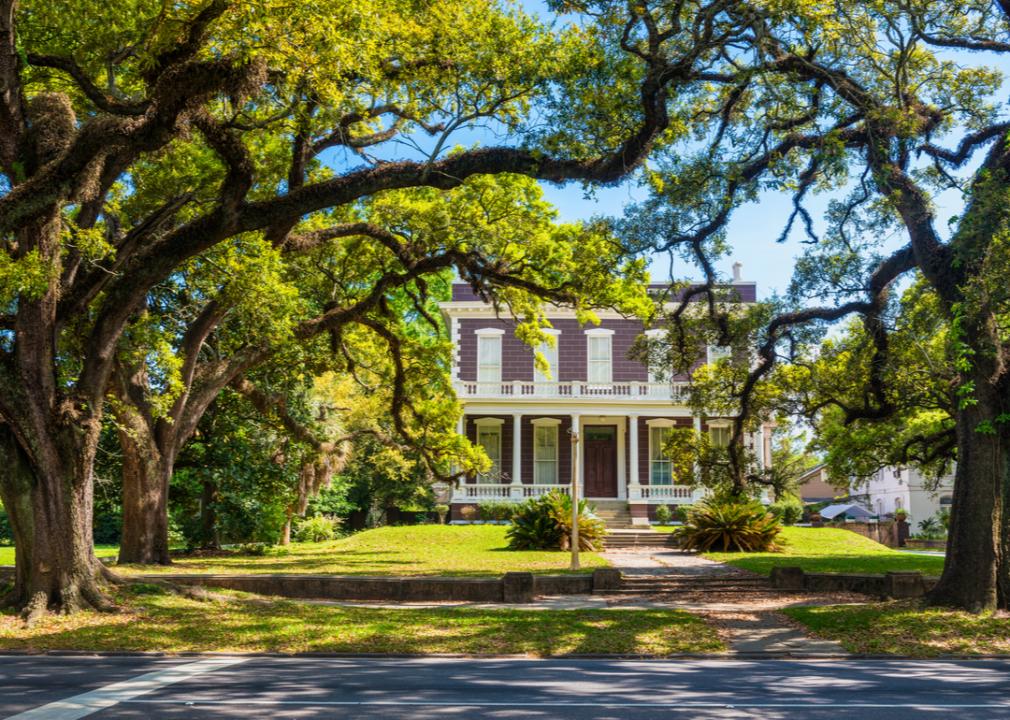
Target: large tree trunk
971,577
50,512
146,475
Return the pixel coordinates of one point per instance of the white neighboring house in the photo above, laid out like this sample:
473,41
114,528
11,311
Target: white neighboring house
902,488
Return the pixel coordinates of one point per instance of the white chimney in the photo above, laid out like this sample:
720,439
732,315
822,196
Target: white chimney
737,277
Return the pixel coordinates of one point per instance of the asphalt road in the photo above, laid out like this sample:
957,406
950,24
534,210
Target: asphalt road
70,687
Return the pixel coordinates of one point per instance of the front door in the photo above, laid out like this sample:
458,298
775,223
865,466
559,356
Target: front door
600,460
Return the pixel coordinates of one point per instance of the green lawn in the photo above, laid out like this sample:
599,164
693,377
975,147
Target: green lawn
905,628
415,550
157,621
7,553
832,550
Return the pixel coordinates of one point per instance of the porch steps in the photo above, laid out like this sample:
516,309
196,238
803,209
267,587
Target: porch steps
614,514
682,584
621,538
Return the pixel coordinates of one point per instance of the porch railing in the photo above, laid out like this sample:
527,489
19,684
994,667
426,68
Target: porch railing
483,492
574,389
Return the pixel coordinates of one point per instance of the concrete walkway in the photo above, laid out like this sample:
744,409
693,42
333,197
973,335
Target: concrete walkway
748,615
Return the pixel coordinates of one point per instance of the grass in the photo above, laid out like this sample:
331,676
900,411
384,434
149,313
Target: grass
7,552
831,550
906,628
155,620
471,550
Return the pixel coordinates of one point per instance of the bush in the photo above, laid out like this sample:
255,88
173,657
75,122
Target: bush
788,509
664,515
256,549
545,523
316,529
442,511
730,527
495,510
931,529
683,512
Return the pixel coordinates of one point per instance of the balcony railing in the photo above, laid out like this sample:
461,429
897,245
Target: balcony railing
677,392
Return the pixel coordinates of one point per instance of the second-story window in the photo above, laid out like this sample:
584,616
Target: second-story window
550,354
658,372
600,359
545,454
488,358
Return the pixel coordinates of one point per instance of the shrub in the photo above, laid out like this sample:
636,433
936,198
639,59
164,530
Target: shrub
256,549
545,523
931,529
730,527
788,509
664,515
682,512
442,511
495,510
316,529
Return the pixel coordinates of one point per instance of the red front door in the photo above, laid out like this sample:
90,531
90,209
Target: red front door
600,461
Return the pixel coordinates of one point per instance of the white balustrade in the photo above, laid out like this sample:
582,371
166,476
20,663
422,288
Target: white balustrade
674,494
505,493
574,389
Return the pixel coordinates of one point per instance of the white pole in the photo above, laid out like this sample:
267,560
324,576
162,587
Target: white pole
575,492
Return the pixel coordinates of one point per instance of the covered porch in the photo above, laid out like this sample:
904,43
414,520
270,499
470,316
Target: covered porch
619,457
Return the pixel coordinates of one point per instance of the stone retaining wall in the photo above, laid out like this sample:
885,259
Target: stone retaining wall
510,588
888,585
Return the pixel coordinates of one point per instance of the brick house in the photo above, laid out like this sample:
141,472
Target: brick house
621,409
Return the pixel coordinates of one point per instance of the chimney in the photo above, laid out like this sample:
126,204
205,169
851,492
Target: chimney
737,278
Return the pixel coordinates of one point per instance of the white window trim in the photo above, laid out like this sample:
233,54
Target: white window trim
651,336
721,425
658,424
598,333
556,367
547,423
498,424
490,333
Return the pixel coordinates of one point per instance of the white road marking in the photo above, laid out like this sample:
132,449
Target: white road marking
79,706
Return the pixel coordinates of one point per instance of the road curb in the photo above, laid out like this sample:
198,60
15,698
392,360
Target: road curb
725,656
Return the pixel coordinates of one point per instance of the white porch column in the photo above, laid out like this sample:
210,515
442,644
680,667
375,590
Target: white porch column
460,429
517,453
634,484
577,454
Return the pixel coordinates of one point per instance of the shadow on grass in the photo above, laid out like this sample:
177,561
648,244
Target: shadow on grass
170,623
907,628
